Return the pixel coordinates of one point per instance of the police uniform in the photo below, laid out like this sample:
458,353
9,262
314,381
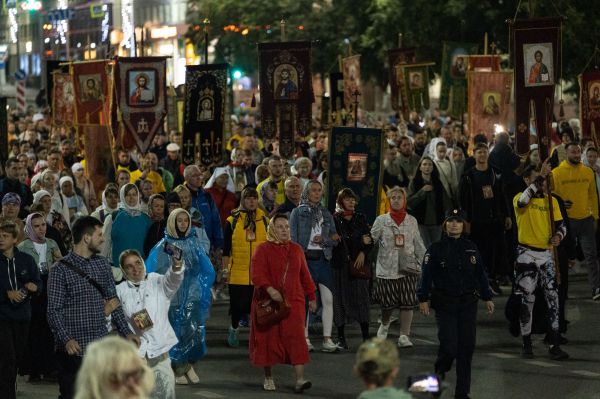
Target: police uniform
454,278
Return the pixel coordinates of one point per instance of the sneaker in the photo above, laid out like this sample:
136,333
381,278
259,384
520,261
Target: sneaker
192,376
404,342
342,344
245,322
311,347
557,354
269,384
233,338
596,294
561,340
383,330
302,385
181,380
495,288
329,346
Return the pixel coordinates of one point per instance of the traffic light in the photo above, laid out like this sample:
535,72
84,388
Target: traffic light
236,73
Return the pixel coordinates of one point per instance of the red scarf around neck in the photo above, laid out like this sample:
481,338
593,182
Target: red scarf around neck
398,215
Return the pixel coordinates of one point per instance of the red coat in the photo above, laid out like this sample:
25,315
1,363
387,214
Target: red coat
226,201
283,343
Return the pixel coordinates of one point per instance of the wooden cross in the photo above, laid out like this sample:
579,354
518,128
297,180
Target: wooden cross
493,46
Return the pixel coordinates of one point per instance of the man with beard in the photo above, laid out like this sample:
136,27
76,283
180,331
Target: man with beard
575,183
81,295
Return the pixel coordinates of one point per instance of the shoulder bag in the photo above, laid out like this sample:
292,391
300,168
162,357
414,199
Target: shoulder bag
269,311
85,276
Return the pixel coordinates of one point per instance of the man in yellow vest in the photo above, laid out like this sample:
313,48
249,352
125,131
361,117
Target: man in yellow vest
277,175
245,229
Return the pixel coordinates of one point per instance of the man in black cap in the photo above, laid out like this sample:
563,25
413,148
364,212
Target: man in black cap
453,279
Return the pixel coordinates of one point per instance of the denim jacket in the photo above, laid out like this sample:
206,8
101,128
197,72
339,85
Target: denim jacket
301,226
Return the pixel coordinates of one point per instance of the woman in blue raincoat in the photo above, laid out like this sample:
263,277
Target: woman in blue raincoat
190,307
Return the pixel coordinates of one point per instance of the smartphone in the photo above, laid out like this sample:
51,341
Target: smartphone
429,383
173,250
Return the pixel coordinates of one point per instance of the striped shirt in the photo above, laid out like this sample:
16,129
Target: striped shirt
76,307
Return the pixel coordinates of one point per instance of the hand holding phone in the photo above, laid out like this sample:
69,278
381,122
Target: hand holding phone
173,250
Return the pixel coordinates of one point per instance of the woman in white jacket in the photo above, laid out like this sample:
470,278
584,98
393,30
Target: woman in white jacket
146,298
401,248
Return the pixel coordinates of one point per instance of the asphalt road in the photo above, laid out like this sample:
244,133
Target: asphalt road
498,370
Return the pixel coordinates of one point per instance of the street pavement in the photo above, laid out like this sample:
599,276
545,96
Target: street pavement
498,370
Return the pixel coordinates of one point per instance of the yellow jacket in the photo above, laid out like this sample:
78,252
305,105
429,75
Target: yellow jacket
242,250
578,185
157,183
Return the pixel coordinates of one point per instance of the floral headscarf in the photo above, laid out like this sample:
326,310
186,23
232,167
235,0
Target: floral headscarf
315,209
272,234
29,232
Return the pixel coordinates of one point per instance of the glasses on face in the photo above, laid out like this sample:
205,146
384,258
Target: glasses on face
125,376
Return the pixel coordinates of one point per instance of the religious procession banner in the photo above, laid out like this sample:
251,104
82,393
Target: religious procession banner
352,84
285,92
336,90
205,95
453,96
589,105
355,162
141,99
50,67
416,85
536,53
91,84
63,100
484,63
398,57
489,101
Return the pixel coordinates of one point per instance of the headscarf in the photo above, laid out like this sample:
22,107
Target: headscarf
272,234
316,210
172,229
397,215
233,156
43,176
65,179
11,198
40,166
131,210
35,179
38,195
433,147
268,204
250,222
108,209
219,172
339,204
76,166
29,232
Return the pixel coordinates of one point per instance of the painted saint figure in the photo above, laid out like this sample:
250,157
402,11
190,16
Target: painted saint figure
539,71
595,100
206,110
491,108
91,92
286,89
142,94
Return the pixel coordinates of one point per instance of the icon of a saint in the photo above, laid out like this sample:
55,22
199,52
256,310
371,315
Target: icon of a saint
491,108
539,71
206,110
595,100
286,89
459,69
91,92
142,94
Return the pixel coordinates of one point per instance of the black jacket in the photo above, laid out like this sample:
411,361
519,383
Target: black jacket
15,186
453,268
471,196
351,233
23,269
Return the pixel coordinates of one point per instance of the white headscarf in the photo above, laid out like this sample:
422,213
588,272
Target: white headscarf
433,147
131,210
219,172
37,197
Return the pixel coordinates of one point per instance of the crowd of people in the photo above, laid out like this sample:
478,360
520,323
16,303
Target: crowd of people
145,256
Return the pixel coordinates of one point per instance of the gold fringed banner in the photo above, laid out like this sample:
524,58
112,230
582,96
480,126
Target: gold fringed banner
489,101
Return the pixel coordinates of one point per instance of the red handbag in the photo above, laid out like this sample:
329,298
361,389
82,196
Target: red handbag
270,312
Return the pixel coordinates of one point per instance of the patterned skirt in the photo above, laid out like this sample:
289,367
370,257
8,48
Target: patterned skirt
396,293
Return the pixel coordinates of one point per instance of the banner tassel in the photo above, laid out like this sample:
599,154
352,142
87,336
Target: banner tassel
561,112
253,102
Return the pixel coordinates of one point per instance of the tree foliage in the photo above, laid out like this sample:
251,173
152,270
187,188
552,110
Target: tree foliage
372,27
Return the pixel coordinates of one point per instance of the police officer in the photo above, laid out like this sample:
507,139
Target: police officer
453,279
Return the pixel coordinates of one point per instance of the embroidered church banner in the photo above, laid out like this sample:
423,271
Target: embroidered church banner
416,85
141,99
91,84
51,66
489,101
355,162
205,95
589,105
352,83
536,52
63,100
453,96
285,92
396,58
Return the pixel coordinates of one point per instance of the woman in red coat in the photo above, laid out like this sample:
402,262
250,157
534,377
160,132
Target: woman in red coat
281,343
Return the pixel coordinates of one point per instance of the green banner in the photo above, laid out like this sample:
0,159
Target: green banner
453,96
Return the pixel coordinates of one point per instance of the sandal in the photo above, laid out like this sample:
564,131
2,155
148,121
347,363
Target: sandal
269,384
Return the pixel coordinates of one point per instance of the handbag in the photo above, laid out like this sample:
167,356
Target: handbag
269,311
408,265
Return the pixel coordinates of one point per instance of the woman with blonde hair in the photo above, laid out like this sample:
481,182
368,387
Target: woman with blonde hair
377,364
401,249
111,368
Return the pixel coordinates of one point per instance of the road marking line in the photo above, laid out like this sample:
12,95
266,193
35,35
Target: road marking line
502,355
585,373
208,395
541,364
425,340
